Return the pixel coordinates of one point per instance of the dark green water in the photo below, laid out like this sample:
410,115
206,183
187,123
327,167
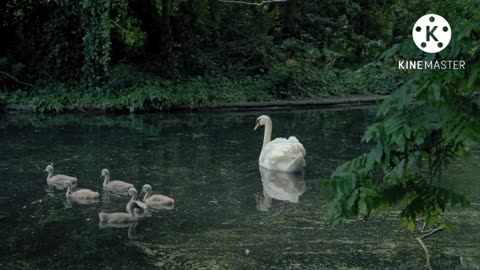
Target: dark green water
224,217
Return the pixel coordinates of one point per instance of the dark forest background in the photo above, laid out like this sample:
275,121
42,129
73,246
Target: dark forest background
139,54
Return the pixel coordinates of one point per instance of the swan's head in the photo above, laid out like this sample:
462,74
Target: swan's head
132,191
261,121
49,168
105,172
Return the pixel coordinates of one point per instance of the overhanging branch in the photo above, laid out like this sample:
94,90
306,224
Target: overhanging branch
14,78
420,240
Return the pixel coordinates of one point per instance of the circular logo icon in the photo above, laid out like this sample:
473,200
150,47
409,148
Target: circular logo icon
431,33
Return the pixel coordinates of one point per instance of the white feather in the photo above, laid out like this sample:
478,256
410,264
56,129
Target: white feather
286,155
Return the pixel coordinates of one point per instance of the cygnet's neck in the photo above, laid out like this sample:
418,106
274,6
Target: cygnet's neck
107,179
50,174
147,194
69,190
134,197
130,209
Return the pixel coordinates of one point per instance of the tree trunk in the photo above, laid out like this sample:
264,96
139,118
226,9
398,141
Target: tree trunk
166,31
288,18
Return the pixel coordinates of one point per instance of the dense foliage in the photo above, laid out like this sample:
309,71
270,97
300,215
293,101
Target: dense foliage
289,49
421,128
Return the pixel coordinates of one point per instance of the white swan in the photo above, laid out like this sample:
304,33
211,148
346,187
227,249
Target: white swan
82,195
156,201
115,185
285,155
59,180
139,208
119,218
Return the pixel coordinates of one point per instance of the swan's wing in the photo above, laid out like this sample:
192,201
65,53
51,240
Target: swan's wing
158,198
115,217
298,144
283,155
85,194
62,178
281,148
119,185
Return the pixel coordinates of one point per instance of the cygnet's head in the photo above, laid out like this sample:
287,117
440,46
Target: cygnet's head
132,191
146,188
68,184
49,169
105,172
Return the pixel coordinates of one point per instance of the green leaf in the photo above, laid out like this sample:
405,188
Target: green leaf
411,226
362,207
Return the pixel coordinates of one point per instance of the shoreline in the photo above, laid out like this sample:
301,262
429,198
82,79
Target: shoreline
322,102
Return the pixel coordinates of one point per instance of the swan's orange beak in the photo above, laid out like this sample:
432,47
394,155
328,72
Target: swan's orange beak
256,126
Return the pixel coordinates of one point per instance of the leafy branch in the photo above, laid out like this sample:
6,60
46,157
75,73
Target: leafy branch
420,129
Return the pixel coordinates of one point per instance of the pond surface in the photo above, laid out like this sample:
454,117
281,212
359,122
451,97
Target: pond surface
225,216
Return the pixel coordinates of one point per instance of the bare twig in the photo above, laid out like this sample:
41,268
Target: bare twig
329,65
252,3
423,226
15,79
420,240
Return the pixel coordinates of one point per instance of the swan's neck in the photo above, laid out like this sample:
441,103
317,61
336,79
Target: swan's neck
107,179
147,194
69,190
267,136
134,197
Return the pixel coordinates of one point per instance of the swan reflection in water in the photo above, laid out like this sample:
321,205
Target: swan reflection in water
470,262
280,186
131,228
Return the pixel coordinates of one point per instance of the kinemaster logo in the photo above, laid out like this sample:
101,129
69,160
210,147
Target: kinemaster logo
432,34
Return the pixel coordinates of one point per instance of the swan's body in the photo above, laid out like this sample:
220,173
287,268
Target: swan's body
82,195
115,185
280,186
156,201
285,155
139,208
59,180
119,218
